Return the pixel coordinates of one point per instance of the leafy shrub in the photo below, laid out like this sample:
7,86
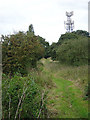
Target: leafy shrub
21,97
20,51
81,32
73,51
67,36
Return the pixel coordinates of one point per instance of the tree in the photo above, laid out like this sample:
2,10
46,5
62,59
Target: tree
73,51
81,32
30,30
46,46
64,41
20,51
53,49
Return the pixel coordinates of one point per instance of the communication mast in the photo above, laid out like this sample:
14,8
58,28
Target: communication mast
69,24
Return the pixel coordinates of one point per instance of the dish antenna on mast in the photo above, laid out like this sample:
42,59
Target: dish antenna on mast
69,24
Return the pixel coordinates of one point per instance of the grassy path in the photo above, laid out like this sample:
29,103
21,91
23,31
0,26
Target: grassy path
65,99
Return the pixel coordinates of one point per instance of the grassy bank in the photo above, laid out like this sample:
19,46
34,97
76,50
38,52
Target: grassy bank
66,98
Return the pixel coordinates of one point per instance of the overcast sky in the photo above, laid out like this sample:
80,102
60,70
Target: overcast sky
47,16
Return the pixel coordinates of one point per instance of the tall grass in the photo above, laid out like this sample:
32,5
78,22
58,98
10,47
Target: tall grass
41,76
76,74
66,99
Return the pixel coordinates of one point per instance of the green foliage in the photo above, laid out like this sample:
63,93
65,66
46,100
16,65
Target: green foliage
20,51
46,46
73,35
81,32
31,30
67,36
63,43
73,51
21,97
53,49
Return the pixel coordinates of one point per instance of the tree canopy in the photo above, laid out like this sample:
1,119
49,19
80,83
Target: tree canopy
20,51
71,48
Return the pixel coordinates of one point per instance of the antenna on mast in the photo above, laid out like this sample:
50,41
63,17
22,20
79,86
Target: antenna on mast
69,24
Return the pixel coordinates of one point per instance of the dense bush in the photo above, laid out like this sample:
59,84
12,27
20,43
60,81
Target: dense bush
69,38
20,51
73,51
65,37
81,32
21,97
73,35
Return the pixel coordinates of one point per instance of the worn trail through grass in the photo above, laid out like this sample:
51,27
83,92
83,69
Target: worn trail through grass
65,98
